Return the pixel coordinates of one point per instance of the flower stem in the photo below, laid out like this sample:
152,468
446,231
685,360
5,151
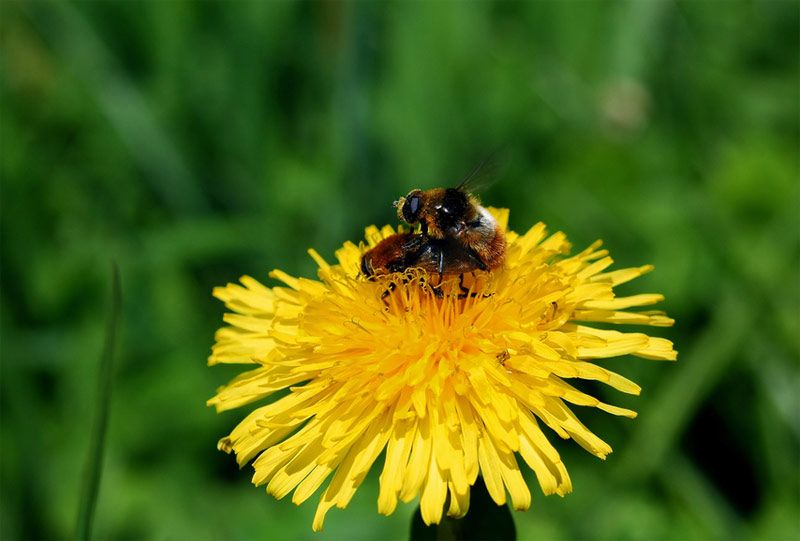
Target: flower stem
485,521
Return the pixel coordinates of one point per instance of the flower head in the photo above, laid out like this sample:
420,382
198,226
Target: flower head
448,381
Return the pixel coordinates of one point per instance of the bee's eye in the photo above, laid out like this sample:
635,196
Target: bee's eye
410,209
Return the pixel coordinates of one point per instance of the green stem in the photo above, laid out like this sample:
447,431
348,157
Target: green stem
485,520
94,466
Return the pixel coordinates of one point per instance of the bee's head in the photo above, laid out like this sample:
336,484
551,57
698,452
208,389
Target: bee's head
409,207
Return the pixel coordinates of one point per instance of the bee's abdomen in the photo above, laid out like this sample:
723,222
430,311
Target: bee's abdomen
389,255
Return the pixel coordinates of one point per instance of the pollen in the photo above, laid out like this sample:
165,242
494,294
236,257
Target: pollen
445,378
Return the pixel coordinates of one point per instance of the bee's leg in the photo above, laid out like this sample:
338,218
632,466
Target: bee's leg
437,289
441,262
388,291
464,290
366,266
476,259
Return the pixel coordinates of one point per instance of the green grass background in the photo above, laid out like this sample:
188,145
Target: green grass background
194,143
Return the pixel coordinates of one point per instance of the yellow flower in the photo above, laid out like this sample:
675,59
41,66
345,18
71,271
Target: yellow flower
449,386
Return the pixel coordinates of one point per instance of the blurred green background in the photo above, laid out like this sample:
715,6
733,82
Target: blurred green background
194,143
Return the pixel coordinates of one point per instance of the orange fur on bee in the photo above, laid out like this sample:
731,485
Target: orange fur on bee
491,250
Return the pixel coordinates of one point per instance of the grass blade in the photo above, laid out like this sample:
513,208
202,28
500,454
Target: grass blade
94,463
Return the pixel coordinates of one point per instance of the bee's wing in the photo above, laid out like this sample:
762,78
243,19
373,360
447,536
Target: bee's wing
414,242
426,254
482,175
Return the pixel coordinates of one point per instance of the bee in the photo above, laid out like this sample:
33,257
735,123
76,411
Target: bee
453,219
456,235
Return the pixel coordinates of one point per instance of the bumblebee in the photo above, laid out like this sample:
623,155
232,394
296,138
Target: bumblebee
456,236
454,217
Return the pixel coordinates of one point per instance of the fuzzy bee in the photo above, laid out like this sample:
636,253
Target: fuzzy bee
456,235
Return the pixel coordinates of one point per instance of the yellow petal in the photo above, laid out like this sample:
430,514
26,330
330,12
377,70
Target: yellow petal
491,469
434,493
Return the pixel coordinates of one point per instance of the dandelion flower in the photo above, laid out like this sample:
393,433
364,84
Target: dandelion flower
446,387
